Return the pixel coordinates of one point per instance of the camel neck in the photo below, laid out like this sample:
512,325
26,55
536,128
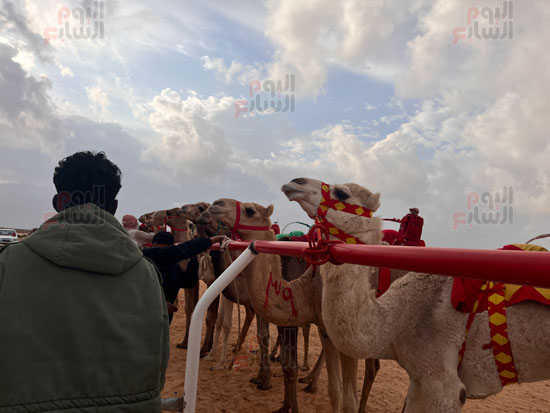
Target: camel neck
275,299
360,324
180,236
366,230
255,235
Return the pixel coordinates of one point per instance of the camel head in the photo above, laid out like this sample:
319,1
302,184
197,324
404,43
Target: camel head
146,219
251,214
193,211
208,226
308,193
157,218
176,218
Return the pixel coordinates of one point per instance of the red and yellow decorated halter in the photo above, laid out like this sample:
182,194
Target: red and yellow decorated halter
494,294
327,203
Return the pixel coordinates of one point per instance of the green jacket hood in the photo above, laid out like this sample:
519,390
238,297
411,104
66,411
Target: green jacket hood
88,238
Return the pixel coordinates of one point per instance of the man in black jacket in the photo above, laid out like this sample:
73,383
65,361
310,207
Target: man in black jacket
166,256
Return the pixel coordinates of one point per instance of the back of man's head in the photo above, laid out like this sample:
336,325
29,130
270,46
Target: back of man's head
162,238
86,177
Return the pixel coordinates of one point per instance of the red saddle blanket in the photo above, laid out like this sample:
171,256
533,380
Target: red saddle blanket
465,291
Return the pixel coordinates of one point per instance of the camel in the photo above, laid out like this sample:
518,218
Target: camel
225,319
285,303
292,266
414,322
191,213
147,220
177,222
237,292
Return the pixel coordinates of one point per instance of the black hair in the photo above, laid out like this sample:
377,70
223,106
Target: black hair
86,177
163,237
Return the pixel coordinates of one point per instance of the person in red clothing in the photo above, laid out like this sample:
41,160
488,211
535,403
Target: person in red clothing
392,237
411,228
276,229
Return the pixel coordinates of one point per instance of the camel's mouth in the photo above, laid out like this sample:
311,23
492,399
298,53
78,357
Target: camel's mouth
216,210
204,220
293,193
304,197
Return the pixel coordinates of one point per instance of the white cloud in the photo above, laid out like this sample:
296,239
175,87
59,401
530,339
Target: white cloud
192,145
65,71
98,99
235,72
367,37
27,116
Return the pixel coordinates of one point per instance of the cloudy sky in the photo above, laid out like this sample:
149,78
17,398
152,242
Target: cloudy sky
411,99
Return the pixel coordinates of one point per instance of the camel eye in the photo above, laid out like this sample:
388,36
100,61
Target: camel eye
299,181
249,211
341,195
202,209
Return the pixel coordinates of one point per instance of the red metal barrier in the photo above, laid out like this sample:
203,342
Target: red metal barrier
514,267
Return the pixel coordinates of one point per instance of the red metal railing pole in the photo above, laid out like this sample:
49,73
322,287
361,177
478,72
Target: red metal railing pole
514,267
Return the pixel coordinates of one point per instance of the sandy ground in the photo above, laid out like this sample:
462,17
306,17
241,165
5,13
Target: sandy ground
231,391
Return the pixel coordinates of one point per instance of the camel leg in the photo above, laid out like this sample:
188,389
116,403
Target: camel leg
246,326
313,377
191,299
332,357
371,369
263,379
227,317
218,328
211,318
305,331
289,364
349,379
272,356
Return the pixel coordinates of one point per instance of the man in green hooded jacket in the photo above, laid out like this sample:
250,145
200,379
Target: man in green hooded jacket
83,319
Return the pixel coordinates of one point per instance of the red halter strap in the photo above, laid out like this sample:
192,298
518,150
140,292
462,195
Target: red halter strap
235,230
327,203
172,228
384,275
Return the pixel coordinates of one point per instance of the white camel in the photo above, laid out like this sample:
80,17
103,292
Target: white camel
414,322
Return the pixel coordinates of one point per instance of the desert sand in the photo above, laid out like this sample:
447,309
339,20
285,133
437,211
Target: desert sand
231,391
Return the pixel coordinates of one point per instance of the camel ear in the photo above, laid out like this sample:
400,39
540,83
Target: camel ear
374,201
268,211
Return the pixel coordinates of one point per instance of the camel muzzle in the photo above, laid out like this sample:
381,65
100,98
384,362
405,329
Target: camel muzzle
292,192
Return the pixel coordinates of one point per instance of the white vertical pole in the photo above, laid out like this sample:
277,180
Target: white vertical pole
194,342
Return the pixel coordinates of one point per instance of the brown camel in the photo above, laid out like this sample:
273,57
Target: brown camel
173,219
293,303
147,220
237,292
191,212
